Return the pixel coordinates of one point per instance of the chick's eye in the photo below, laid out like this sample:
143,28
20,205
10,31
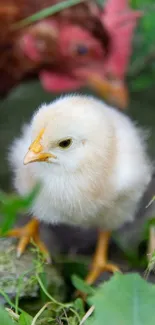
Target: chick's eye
64,144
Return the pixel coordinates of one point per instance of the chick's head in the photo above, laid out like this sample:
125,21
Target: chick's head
71,133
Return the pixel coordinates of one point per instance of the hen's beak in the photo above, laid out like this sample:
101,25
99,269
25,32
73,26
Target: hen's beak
114,92
36,151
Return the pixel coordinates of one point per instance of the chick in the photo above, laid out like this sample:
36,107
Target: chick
92,165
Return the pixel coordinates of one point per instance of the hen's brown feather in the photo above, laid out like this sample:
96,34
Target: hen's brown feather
14,65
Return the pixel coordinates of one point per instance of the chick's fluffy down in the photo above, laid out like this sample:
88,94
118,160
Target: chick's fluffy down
99,180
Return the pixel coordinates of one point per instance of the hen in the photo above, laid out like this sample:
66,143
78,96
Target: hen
84,45
92,165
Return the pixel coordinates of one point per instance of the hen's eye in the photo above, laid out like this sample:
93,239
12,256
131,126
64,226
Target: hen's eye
82,49
64,144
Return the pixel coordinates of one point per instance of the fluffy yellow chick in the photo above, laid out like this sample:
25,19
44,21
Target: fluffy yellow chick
93,168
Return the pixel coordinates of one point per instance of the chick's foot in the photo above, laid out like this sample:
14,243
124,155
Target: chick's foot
100,262
27,233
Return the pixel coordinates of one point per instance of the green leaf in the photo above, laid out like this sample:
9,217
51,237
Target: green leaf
43,278
25,319
47,12
78,305
124,300
11,205
82,285
4,317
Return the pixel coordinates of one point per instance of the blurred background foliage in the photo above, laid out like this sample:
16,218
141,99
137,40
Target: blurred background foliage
142,68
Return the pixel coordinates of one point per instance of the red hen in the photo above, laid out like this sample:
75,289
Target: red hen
84,45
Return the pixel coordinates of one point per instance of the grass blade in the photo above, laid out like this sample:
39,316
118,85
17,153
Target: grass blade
47,12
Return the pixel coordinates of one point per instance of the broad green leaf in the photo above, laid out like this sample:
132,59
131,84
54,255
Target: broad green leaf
5,319
25,319
124,300
47,12
82,285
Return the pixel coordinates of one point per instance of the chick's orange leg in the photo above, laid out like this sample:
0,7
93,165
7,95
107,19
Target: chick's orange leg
100,261
27,233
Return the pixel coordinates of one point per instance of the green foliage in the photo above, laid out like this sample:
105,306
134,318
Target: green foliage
24,319
81,285
151,265
11,205
8,317
5,319
142,68
79,307
74,265
70,313
125,299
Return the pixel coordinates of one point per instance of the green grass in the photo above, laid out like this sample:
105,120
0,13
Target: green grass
130,292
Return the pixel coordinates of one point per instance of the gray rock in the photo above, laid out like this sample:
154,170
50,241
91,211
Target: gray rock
17,276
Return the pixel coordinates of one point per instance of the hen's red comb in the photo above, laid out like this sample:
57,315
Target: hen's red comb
120,22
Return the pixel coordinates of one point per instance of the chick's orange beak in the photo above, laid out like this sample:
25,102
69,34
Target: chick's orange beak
32,157
36,151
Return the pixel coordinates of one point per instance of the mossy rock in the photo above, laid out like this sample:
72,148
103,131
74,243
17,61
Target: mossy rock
17,276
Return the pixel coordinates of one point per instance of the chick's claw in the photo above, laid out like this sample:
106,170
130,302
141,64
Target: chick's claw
29,233
100,262
97,270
